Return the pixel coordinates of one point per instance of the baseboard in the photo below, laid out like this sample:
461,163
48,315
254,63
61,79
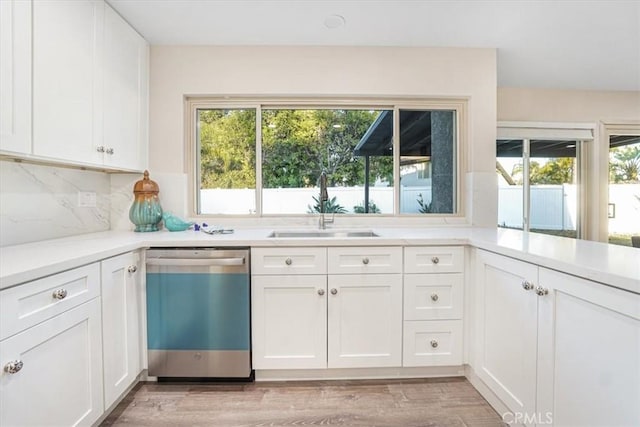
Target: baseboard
358,373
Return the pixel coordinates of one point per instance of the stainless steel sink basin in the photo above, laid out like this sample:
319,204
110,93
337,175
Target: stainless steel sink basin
322,234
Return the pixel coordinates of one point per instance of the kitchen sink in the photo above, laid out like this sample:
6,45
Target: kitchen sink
322,234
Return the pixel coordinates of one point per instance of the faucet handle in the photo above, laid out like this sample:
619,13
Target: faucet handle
330,221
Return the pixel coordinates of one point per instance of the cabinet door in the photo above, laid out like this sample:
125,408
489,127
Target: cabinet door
60,382
506,326
289,322
67,104
125,69
15,76
365,321
120,329
589,353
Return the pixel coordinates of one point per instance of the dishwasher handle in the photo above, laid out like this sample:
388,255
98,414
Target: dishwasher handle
200,262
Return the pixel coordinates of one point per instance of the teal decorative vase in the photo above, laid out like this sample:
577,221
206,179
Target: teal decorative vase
145,212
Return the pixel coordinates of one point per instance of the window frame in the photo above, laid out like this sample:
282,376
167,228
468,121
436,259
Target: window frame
192,153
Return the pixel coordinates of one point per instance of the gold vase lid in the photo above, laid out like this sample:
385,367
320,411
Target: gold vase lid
146,185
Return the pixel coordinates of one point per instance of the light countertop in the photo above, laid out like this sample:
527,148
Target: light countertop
608,264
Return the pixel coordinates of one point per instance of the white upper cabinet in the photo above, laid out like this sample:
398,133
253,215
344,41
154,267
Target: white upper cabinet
125,94
67,79
86,102
15,76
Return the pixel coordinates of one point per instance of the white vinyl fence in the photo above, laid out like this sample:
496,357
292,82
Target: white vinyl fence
298,200
553,207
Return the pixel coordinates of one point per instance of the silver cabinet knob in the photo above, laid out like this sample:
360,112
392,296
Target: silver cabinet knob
435,259
100,149
132,269
13,367
320,292
288,261
434,297
334,291
109,150
541,291
527,286
365,260
60,294
434,343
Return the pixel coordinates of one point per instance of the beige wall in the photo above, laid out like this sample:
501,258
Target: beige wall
551,105
176,71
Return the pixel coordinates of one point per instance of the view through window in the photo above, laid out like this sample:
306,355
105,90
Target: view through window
354,147
538,191
624,190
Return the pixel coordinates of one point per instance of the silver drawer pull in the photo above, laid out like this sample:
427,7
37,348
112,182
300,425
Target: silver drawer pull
13,367
365,260
320,292
435,259
434,343
334,291
434,297
60,294
288,261
542,291
132,269
109,150
100,149
527,286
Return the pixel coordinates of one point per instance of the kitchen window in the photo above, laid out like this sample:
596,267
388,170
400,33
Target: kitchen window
262,158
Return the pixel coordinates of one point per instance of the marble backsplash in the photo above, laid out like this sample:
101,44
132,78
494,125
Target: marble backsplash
41,202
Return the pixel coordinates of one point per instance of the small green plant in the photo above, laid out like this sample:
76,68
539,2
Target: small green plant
373,208
424,207
330,206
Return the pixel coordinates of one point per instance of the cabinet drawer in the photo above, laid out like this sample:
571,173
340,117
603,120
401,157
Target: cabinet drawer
434,259
289,261
31,303
433,296
432,343
363,260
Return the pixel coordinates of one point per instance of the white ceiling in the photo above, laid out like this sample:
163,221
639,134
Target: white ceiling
593,45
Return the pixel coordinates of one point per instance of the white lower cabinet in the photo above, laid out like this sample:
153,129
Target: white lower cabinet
556,349
315,320
60,380
588,352
365,321
433,306
432,343
506,328
121,307
289,321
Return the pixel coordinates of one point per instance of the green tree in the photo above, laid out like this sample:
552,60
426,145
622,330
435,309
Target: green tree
227,148
297,145
559,170
624,164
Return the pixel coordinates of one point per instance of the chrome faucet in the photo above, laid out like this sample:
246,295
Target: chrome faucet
324,197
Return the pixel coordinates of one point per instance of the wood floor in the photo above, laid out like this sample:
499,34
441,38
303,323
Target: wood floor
384,403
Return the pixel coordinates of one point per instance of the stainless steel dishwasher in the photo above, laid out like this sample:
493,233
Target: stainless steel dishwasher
198,321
